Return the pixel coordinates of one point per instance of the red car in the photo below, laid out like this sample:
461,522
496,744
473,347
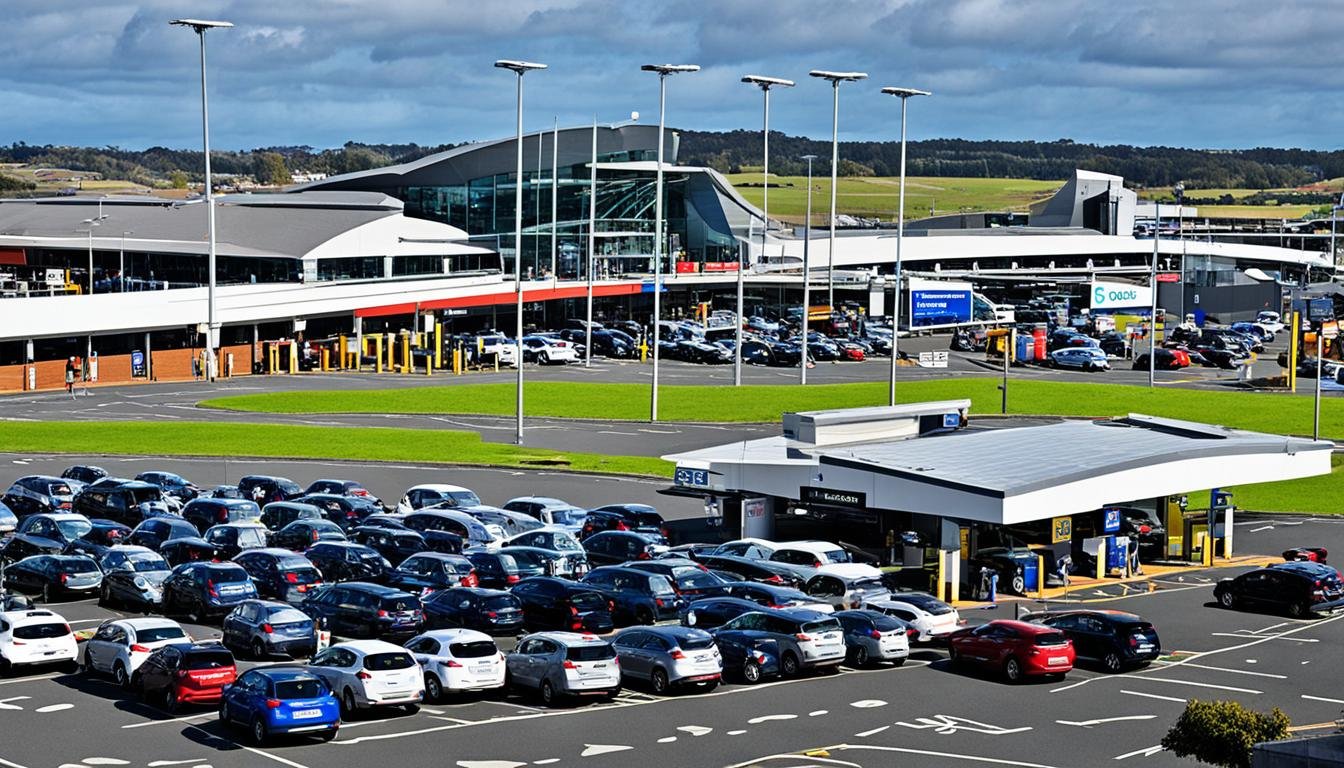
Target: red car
1014,648
185,673
1309,554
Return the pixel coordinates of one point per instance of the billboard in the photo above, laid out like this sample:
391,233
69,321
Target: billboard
1108,296
934,303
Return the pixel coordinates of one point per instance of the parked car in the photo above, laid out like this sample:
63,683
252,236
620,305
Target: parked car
185,673
119,646
710,612
125,501
370,673
806,639
932,618
457,660
276,701
1114,639
534,561
501,571
221,492
279,574
8,520
1302,589
640,518
204,513
53,576
773,596
549,537
691,579
85,474
35,637
263,489
549,511
1310,554
171,484
472,532
360,609
263,628
350,488
278,514
545,350
551,603
1082,358
750,569
431,494
32,494
847,585
340,561
155,531
191,549
104,535
669,657
302,534
1167,360
749,656
345,511
488,610
560,665
811,553
395,546
636,596
45,533
132,577
202,591
430,571
616,547
1015,649
232,539
872,637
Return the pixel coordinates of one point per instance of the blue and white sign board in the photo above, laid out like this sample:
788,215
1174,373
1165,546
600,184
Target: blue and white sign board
694,478
1111,521
1110,296
951,420
939,303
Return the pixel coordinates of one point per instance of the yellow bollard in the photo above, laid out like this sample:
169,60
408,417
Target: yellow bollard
343,349
438,345
406,353
391,353
1101,560
643,351
293,357
378,352
942,576
1040,577
326,359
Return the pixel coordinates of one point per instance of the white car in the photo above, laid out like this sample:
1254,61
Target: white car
756,549
933,618
457,660
847,585
558,538
811,553
549,511
35,637
430,494
499,346
544,350
119,646
1269,320
370,673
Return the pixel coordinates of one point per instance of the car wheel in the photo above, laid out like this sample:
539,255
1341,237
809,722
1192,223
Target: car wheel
1228,600
547,693
120,676
170,702
1299,610
861,657
658,679
347,704
433,689
1111,662
1012,670
105,596
327,735
258,649
543,358
223,713
259,732
751,673
788,665
411,709
643,616
898,662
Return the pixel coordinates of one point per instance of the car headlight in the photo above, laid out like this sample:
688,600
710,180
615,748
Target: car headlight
142,582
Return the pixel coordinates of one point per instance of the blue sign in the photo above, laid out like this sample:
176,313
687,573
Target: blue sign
1111,521
137,363
951,420
939,306
693,477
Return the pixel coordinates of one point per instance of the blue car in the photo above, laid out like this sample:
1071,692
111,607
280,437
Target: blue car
751,659
277,701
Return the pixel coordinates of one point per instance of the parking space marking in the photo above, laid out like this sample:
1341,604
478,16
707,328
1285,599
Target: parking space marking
1104,720
1322,698
30,679
8,764
186,719
1234,671
1268,637
872,731
769,718
592,750
1146,752
910,751
947,725
1154,696
54,708
452,719
1234,689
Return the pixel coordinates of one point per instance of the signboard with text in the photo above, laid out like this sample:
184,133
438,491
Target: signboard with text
1108,296
832,497
1061,529
936,303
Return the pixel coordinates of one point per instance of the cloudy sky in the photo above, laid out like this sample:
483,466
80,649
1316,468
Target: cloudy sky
1200,73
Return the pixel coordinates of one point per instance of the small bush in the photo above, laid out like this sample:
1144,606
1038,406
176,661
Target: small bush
1222,732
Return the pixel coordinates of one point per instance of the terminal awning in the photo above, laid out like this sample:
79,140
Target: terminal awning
1012,475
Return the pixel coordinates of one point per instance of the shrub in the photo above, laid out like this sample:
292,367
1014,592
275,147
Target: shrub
1222,732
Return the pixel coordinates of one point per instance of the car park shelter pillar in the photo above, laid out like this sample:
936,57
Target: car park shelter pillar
293,357
378,352
359,343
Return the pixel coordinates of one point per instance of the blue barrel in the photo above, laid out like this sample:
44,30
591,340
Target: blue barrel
1031,575
1024,350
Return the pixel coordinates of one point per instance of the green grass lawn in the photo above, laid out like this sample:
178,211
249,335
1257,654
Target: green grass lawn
301,442
1319,495
879,196
1289,212
1285,414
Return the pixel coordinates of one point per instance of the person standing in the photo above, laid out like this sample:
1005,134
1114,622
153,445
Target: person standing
70,377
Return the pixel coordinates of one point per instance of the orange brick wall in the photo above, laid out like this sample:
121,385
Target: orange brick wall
167,365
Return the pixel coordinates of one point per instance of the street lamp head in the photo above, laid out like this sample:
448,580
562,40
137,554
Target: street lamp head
838,77
905,93
670,69
200,25
808,158
766,83
518,66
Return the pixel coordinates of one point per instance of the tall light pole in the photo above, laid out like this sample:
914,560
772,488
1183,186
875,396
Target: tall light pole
807,277
88,230
1152,286
836,79
519,68
592,249
211,329
121,264
1334,212
663,71
765,84
904,94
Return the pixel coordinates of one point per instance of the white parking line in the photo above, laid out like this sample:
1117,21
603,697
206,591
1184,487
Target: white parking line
1103,720
1267,637
186,719
1233,671
1153,696
29,679
8,764
1146,752
1322,698
1197,684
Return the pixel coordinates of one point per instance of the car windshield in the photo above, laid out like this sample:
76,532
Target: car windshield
568,516
72,528
835,556
228,575
587,601
462,498
565,543
304,574
825,625
141,562
287,616
647,519
474,650
387,662
211,659
659,585
1051,638
78,565
885,623
142,495
251,537
697,643
499,602
288,487
41,631
58,489
868,584
158,634
300,689
530,560
590,652
690,577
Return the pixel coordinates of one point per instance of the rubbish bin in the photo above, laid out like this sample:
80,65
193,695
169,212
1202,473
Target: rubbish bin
1025,348
1038,343
1031,575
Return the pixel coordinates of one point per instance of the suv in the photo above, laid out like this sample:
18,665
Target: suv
155,531
342,488
360,609
35,637
624,517
264,489
38,493
186,673
231,539
436,494
616,547
1115,639
125,501
806,639
430,571
346,561
204,590
345,511
263,628
1304,589
171,484
280,574
204,513
119,646
636,596
278,514
45,534
84,473
551,603
549,511
561,664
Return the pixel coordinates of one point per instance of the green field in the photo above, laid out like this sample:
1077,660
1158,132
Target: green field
878,196
1275,413
1289,212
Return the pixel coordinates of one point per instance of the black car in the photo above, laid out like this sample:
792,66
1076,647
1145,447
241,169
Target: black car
1301,588
1167,360
771,595
346,561
155,531
172,484
54,575
430,571
616,547
230,539
263,489
345,511
624,517
132,577
280,574
278,514
751,569
363,610
204,590
204,513
32,494
691,579
498,571
189,549
1114,639
393,545
44,534
393,522
636,596
262,628
710,612
348,488
301,534
551,603
486,610
221,492
1114,344
104,535
126,501
84,473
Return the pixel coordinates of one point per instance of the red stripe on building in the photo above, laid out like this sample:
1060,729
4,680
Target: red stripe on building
502,298
14,257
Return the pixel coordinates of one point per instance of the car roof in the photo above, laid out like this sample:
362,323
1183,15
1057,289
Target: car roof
375,589
145,622
796,614
1024,626
366,647
273,551
850,571
457,634
441,487
569,638
32,616
669,630
1305,568
129,549
283,672
1110,614
547,501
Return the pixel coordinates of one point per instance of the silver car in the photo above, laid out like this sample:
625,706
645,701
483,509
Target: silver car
564,664
847,585
669,657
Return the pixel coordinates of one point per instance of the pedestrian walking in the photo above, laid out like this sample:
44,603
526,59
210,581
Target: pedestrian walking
70,377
